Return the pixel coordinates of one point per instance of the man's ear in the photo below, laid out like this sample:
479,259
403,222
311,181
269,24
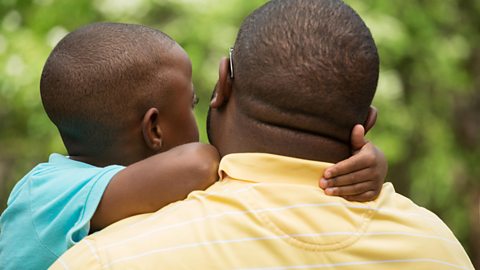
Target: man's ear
223,89
371,118
152,133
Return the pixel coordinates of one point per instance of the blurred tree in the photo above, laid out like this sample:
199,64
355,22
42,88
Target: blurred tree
428,94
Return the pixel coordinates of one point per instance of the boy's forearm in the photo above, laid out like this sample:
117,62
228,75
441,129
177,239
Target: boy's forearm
153,183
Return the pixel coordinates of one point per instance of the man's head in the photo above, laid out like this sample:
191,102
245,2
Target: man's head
119,91
302,69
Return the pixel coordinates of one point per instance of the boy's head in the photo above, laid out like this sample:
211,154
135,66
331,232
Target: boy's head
119,93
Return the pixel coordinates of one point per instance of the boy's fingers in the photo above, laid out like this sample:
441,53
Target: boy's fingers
324,183
363,159
364,197
350,190
350,179
358,137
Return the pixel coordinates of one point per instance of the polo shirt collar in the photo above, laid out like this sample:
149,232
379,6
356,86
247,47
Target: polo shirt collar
269,168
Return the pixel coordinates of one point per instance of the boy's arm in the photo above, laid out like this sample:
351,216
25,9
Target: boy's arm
152,183
360,177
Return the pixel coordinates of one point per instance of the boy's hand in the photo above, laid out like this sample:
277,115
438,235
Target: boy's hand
360,177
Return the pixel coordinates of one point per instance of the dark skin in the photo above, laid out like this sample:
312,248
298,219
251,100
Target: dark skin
164,165
165,161
355,178
156,181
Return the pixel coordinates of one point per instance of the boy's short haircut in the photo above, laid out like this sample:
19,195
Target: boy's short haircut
100,78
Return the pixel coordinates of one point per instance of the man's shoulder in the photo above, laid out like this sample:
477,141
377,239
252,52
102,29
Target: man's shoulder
408,222
400,208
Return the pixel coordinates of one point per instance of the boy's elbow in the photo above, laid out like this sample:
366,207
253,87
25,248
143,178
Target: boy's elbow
208,173
204,163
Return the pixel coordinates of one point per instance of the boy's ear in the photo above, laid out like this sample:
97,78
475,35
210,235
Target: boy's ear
371,118
223,89
152,133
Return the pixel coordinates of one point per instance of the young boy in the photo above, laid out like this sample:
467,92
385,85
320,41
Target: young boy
121,97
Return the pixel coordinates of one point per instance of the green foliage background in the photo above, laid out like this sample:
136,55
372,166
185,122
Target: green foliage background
428,96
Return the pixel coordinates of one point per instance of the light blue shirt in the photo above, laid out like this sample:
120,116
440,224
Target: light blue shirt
49,210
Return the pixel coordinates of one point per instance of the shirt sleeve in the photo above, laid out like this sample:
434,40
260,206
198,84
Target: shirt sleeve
62,209
94,194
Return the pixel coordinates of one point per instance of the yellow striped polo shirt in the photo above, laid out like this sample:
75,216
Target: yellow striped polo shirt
267,212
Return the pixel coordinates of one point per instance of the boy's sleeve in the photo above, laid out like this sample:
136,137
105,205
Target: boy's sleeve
92,195
63,217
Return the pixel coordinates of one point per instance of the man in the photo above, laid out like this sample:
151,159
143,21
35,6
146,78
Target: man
303,73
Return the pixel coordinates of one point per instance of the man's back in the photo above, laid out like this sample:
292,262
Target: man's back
268,213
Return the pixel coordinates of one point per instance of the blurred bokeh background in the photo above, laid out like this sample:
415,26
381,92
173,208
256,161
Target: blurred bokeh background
428,95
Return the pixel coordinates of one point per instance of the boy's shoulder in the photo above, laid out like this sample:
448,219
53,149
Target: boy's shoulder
50,208
61,178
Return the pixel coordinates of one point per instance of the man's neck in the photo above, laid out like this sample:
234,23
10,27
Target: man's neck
264,138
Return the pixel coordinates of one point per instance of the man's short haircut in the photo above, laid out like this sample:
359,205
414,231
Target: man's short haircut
99,78
306,65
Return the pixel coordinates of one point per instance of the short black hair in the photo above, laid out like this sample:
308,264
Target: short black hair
309,65
99,77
